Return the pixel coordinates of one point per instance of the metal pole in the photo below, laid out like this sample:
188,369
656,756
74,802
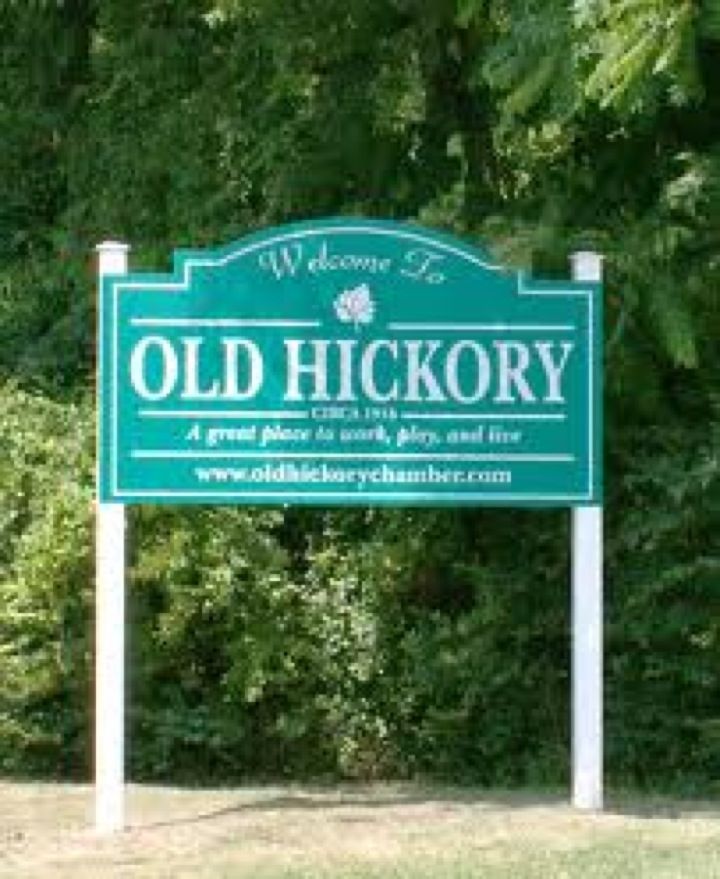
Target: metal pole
110,629
587,625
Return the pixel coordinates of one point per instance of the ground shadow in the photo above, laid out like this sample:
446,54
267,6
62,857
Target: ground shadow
347,797
654,806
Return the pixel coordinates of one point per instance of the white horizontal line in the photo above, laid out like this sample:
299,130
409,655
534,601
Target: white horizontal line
218,322
295,414
481,416
221,413
485,328
172,454
390,495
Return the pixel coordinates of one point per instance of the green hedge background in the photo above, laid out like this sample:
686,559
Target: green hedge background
365,643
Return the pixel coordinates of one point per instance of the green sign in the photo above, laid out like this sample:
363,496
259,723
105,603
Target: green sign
349,362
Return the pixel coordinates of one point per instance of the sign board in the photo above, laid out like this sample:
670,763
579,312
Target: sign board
349,362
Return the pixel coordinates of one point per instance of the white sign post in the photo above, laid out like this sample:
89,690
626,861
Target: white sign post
587,625
570,437
110,630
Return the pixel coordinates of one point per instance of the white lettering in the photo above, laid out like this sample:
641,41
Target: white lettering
284,261
324,261
316,370
481,372
345,392
168,368
367,371
511,372
419,371
255,370
553,370
418,264
192,389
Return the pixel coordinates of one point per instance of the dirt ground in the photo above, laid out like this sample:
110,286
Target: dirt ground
353,831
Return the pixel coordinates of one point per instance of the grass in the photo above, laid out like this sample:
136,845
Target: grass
353,832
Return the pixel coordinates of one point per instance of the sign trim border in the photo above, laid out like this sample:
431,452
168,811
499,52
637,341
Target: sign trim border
189,260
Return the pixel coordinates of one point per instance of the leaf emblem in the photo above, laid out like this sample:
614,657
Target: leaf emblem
355,306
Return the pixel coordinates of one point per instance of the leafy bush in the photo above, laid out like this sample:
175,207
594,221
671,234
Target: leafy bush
45,583
364,643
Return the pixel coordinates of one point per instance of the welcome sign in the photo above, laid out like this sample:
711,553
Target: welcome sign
349,362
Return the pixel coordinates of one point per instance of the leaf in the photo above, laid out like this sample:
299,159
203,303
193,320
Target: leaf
709,21
355,306
675,325
533,87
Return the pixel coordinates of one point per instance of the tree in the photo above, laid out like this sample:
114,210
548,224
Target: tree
535,126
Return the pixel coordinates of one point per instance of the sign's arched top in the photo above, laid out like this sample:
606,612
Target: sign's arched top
349,361
351,229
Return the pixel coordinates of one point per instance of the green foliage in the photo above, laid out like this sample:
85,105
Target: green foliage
662,676
639,50
364,643
45,583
